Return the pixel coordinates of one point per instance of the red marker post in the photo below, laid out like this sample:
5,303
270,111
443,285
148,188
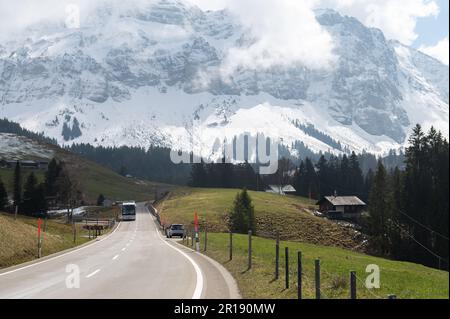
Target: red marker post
197,242
39,238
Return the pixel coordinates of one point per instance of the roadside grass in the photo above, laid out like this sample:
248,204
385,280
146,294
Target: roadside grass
291,216
103,212
405,280
19,239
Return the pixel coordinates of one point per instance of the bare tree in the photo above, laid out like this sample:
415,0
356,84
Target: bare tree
68,193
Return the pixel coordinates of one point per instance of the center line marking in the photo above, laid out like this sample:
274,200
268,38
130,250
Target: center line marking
93,273
115,257
124,248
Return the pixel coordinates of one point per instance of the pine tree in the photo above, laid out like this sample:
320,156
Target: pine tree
378,212
100,200
242,216
300,182
17,186
368,181
226,175
3,196
249,178
51,177
418,181
66,132
68,193
76,131
395,201
123,170
29,191
324,176
198,175
356,179
345,177
312,181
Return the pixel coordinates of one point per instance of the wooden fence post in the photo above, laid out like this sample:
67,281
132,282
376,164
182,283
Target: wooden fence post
74,232
206,237
299,275
286,257
353,285
231,245
317,278
277,257
250,249
39,239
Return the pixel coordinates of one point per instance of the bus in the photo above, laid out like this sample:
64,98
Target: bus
129,211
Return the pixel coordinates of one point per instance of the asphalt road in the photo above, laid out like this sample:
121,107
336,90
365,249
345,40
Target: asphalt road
133,262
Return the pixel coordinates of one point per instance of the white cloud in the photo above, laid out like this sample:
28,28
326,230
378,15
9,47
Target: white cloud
287,31
284,32
440,51
396,18
17,15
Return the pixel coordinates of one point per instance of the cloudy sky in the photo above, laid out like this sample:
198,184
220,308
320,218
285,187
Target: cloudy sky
420,23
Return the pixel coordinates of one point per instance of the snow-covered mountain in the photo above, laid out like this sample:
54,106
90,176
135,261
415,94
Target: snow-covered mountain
152,75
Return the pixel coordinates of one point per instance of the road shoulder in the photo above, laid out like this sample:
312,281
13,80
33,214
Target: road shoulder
59,254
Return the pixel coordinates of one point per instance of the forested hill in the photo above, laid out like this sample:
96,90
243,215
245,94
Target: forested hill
152,164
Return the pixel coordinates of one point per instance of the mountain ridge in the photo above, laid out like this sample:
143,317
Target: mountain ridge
153,76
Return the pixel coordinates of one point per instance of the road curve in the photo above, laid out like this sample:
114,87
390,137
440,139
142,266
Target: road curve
133,262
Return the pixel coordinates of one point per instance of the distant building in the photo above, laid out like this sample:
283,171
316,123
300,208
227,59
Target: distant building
43,165
107,203
281,190
341,207
29,164
25,164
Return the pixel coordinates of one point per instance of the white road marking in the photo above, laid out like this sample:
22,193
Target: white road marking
115,257
62,255
93,273
199,283
124,248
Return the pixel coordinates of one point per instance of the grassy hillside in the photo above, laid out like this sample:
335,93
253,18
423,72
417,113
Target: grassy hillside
6,176
290,215
92,178
95,179
18,239
405,280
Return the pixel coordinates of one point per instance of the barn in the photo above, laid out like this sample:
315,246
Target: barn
341,207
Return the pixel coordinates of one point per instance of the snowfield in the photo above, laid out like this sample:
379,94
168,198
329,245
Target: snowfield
141,77
13,147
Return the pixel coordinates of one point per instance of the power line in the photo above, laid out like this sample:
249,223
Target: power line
427,228
420,244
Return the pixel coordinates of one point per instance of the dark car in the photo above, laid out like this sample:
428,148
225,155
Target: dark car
175,230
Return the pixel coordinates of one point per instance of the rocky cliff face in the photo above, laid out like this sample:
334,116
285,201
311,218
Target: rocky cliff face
144,75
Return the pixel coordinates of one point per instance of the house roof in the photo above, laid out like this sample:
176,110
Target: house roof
343,201
282,189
